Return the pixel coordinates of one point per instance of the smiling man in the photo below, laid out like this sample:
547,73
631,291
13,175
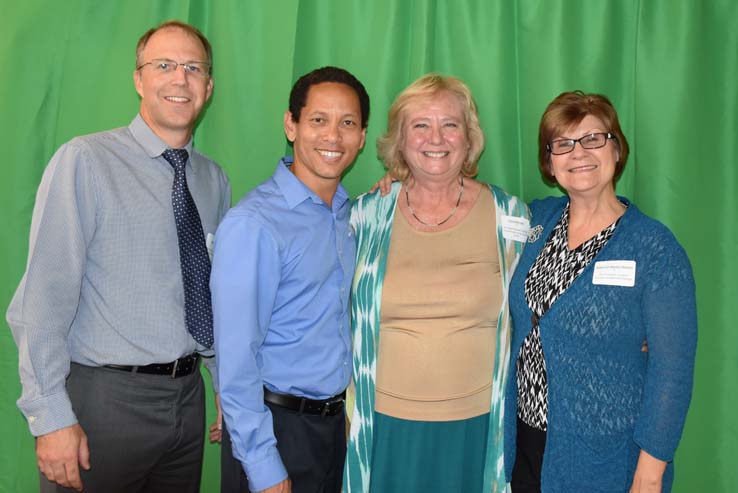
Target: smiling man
113,313
284,259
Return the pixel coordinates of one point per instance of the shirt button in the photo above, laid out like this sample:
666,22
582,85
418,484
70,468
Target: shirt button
32,419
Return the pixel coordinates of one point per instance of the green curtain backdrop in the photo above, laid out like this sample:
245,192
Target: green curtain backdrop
670,67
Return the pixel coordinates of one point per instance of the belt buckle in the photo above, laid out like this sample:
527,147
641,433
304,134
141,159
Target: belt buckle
174,368
326,408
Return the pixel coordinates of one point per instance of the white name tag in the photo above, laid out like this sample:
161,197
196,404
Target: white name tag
615,273
210,245
515,228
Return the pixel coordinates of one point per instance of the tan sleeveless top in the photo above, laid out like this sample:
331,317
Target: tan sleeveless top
438,325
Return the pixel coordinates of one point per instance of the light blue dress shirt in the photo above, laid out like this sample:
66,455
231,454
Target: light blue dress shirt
103,284
281,278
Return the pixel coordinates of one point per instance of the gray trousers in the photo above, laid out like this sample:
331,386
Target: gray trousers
145,432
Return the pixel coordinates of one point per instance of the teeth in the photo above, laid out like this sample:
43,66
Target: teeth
330,154
177,99
583,168
435,154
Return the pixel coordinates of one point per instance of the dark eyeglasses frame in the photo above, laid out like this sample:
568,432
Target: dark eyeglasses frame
581,140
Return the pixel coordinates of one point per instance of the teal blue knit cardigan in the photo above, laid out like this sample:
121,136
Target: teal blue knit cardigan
607,399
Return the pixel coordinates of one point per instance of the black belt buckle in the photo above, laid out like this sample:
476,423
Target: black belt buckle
331,407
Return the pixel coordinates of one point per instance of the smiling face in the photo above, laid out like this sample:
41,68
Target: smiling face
434,143
328,136
171,102
586,172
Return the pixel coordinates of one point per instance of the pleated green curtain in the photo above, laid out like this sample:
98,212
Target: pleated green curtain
669,66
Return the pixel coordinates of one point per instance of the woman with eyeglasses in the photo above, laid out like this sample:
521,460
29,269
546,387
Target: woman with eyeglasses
587,409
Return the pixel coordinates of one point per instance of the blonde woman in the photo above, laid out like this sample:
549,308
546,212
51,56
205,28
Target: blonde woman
429,317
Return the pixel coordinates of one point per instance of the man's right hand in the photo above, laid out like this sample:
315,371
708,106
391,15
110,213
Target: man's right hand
384,185
60,453
283,487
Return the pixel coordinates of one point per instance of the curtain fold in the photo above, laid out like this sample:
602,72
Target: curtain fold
669,66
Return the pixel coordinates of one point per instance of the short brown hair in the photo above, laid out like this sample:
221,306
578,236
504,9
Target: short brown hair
426,87
174,24
569,109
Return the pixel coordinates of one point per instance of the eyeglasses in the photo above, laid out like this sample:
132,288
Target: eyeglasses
591,141
166,66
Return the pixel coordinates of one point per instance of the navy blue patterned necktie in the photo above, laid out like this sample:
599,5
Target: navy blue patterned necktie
193,254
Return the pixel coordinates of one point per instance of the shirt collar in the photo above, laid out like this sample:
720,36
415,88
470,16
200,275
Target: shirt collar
295,192
149,141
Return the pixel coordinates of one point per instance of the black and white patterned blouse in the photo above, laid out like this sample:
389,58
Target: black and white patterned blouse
553,271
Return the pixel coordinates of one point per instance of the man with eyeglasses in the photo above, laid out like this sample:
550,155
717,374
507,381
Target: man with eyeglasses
113,313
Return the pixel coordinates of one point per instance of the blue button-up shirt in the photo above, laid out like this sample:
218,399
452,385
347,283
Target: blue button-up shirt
104,282
281,278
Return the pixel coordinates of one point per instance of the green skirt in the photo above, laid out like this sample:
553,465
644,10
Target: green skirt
428,456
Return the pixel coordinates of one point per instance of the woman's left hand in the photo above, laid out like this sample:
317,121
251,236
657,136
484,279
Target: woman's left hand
648,474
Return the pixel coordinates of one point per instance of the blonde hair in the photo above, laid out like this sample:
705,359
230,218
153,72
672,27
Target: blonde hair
389,145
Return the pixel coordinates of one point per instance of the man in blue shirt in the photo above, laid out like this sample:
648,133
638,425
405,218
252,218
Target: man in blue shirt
283,264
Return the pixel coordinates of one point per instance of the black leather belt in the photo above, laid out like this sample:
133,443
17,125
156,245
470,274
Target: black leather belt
182,367
326,407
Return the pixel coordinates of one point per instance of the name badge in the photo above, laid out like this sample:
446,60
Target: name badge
515,228
615,273
210,245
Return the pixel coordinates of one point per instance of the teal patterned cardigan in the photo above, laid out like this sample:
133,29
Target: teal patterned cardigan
372,217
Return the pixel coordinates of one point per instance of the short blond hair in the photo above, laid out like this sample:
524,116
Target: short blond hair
429,86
